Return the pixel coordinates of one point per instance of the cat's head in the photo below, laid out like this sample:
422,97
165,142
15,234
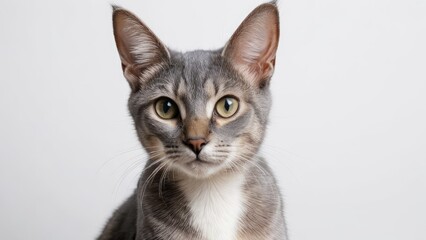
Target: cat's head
202,112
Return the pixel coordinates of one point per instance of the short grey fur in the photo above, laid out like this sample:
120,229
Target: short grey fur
204,179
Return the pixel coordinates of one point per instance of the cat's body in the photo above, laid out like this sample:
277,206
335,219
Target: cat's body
201,210
201,116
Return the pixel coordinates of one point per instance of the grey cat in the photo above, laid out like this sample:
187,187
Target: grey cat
201,116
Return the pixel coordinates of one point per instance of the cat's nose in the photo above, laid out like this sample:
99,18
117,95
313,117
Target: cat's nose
196,144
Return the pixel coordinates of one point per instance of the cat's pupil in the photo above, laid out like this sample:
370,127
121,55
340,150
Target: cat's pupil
166,106
228,104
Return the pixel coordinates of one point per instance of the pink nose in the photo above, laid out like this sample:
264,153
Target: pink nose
196,144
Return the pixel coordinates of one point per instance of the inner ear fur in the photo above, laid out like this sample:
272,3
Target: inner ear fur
141,52
253,46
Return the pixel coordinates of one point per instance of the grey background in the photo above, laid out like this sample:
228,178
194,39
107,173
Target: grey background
346,138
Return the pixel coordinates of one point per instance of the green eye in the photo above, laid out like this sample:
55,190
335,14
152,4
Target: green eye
227,106
166,108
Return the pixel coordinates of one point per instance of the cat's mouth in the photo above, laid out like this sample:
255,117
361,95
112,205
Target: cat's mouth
201,163
198,160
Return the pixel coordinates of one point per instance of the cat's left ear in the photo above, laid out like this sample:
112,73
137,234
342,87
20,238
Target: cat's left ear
253,46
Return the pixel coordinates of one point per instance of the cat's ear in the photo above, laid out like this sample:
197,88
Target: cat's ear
141,52
253,46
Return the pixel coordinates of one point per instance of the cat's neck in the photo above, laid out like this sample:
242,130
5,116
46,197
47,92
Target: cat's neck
216,204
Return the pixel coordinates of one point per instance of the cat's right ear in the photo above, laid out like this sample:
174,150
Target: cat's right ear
252,48
142,54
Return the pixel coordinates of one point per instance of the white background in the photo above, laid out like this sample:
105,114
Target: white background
346,138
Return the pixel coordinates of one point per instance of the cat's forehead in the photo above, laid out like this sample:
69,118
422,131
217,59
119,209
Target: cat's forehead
203,74
199,66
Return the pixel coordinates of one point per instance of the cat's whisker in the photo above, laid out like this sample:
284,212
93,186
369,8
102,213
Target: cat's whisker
135,162
150,178
155,162
235,168
279,150
152,147
263,174
250,160
163,179
110,160
132,159
127,171
155,154
241,168
138,158
131,163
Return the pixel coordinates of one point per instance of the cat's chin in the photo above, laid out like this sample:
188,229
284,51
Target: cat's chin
200,169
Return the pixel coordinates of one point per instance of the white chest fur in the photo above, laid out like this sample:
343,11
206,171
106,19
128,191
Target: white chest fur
216,205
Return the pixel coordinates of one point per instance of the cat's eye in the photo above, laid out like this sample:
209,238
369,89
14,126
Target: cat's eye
227,106
166,108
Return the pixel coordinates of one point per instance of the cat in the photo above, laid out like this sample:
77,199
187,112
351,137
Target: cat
201,116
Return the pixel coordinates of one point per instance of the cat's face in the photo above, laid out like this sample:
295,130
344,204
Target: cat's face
202,112
200,115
